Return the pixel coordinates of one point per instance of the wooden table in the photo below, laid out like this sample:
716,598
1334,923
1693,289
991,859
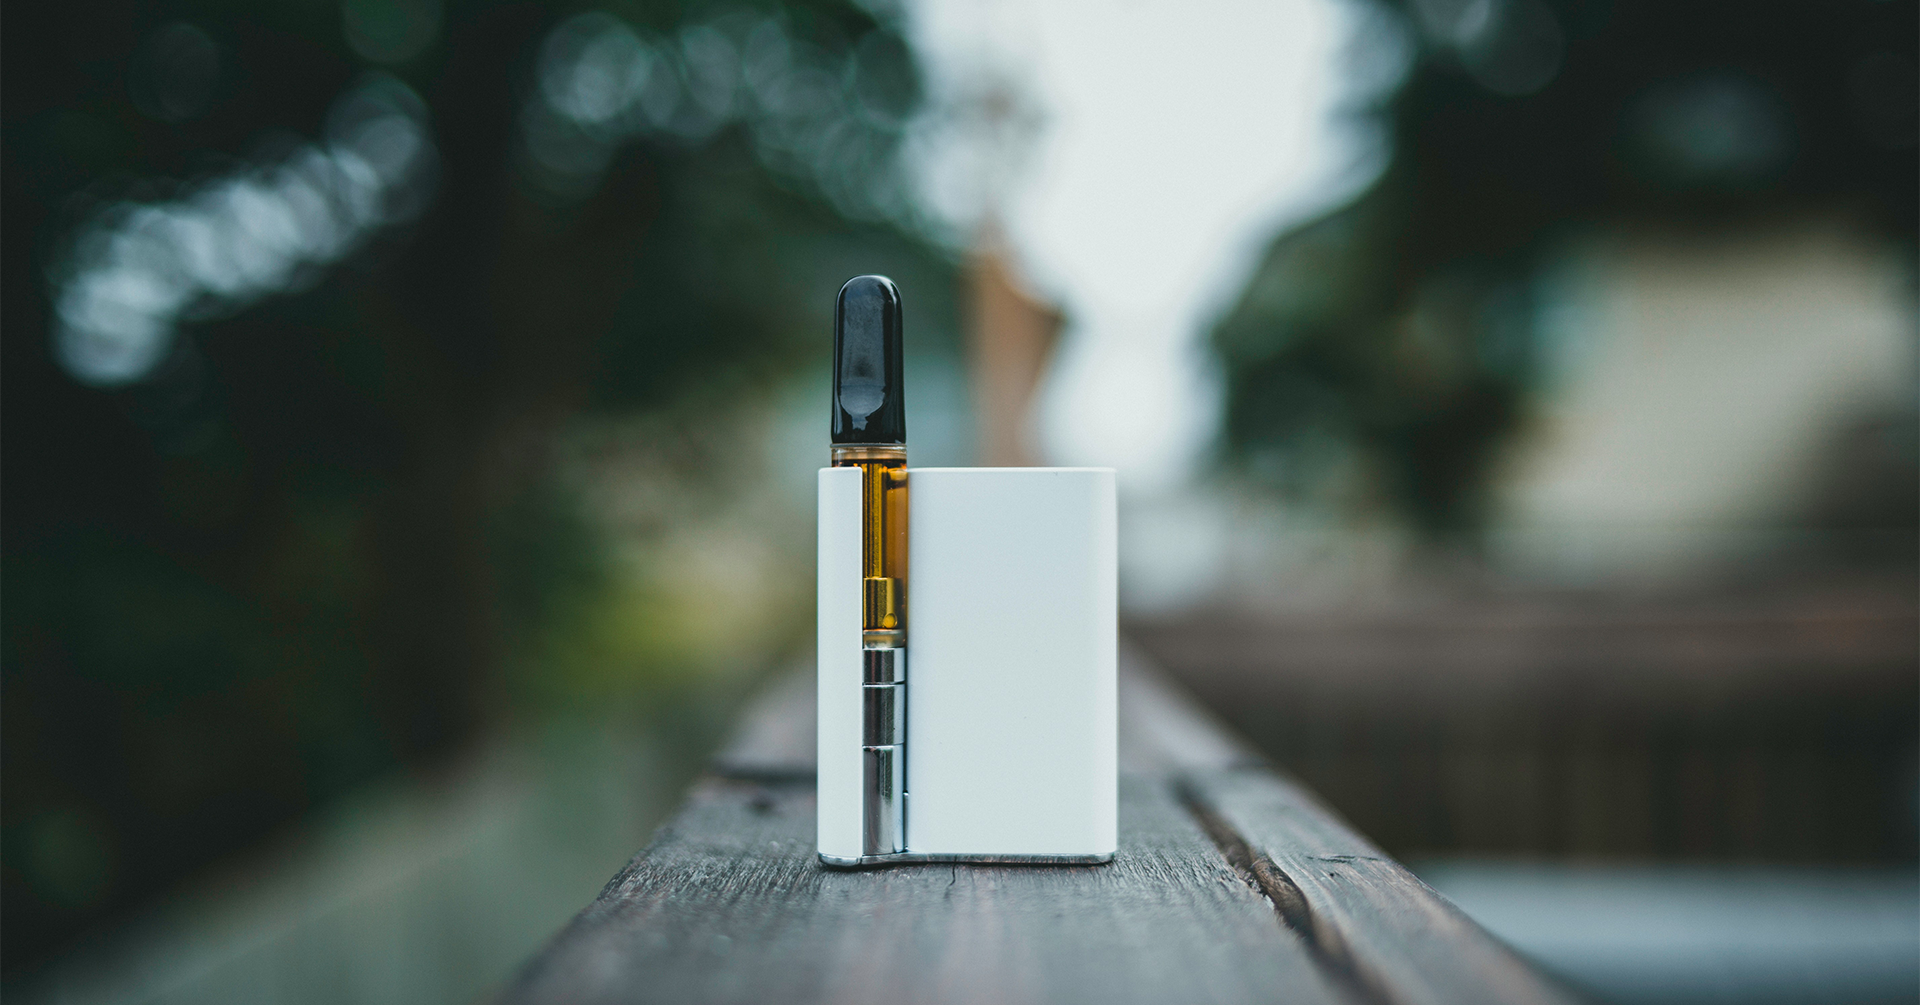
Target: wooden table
1232,884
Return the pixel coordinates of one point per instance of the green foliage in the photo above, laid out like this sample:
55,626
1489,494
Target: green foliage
368,517
1383,354
1330,369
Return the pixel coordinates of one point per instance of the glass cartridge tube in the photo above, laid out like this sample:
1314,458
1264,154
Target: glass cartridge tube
883,541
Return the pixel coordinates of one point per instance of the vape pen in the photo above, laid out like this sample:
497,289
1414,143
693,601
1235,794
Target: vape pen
870,433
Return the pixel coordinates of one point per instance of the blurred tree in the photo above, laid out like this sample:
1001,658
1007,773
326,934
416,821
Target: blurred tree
320,536
1396,331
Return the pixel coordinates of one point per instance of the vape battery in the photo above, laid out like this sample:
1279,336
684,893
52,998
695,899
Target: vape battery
995,740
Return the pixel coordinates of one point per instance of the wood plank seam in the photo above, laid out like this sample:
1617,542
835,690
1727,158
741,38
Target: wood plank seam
1324,944
1411,940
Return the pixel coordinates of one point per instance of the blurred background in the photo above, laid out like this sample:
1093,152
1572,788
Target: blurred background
410,411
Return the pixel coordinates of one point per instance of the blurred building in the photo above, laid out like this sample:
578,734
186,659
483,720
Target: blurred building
1572,507
1710,397
1633,273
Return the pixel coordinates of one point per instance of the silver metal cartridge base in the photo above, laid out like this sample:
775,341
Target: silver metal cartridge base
884,817
883,752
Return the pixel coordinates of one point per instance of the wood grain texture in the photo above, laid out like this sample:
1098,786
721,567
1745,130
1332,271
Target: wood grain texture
729,905
1373,925
1231,885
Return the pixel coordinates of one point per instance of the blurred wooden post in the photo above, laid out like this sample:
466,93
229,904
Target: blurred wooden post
1010,336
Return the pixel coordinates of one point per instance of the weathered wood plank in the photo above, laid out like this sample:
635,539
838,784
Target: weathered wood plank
1162,731
775,738
1368,920
1231,885
728,905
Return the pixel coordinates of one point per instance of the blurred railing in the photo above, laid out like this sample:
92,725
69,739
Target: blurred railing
1776,727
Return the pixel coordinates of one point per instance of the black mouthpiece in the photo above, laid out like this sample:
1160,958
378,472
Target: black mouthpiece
867,404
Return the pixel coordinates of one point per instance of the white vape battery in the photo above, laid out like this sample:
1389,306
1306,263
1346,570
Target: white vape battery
1000,720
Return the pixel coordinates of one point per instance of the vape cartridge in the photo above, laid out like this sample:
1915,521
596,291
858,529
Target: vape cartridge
870,433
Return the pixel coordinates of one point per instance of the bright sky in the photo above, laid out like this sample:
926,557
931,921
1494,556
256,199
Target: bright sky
1173,140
